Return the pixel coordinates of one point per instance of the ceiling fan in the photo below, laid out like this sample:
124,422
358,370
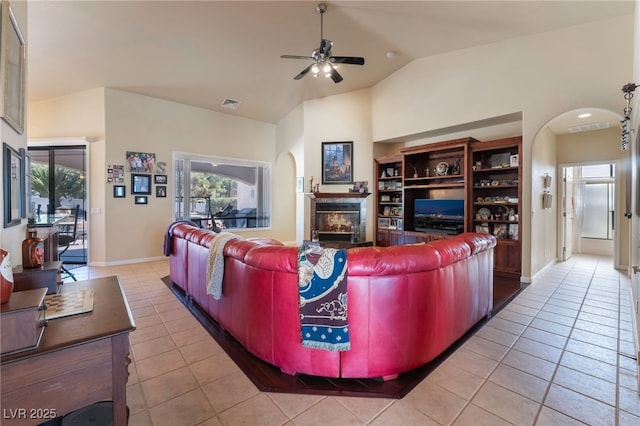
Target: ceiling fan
323,60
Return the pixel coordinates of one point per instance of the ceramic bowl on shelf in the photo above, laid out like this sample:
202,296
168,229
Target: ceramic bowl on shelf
483,213
442,168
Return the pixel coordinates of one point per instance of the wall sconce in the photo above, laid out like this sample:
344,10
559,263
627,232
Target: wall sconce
546,195
625,124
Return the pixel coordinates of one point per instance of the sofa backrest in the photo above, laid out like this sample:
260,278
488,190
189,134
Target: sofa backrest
270,254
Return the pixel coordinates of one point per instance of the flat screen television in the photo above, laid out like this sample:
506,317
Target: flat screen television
439,216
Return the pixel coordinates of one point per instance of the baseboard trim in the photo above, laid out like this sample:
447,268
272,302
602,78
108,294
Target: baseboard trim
128,261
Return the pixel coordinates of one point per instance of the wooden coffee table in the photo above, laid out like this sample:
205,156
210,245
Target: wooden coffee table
81,359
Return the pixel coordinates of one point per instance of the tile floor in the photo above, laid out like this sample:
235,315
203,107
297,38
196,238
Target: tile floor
559,354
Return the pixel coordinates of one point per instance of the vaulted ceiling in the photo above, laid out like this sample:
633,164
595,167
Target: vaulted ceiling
202,52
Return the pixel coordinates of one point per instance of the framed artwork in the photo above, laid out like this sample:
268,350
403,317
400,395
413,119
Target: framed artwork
119,191
12,70
115,173
141,162
513,231
161,191
300,184
384,222
501,231
141,199
337,162
160,179
13,165
140,184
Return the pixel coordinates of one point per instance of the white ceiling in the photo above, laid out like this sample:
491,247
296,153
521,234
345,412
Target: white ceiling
201,52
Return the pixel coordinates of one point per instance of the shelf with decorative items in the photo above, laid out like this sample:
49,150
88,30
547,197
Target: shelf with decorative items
389,198
434,171
496,193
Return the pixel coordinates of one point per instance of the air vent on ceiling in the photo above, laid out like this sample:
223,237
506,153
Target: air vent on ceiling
230,103
589,127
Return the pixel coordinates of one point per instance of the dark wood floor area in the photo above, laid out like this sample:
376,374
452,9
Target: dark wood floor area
268,378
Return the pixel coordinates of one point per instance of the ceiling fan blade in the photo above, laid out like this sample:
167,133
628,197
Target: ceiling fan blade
325,47
335,75
303,72
351,60
295,57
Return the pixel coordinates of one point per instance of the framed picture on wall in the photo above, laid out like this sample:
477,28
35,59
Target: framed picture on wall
160,179
161,191
12,61
14,194
142,200
337,162
119,191
140,184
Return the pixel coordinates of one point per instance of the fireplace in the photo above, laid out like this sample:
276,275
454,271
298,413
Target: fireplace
339,216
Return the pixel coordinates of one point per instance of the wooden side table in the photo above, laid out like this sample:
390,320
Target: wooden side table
45,276
22,321
81,359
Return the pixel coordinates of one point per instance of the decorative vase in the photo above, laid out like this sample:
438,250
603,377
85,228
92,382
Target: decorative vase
6,276
32,250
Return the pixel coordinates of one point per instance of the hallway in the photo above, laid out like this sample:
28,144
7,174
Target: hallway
560,353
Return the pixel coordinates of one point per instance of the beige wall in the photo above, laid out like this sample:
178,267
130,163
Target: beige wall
290,139
634,249
116,122
339,118
11,238
79,115
145,124
541,76
544,221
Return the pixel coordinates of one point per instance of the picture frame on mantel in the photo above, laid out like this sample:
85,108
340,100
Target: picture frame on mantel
12,70
337,162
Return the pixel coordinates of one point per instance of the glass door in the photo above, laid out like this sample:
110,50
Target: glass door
58,185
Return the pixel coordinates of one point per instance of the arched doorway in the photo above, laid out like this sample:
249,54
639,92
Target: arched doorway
579,151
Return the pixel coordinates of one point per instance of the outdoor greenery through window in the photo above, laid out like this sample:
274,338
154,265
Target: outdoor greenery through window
221,192
57,185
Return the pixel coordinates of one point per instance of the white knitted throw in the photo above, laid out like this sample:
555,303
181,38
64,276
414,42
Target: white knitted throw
215,265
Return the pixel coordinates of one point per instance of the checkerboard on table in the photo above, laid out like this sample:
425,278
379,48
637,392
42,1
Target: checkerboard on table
68,303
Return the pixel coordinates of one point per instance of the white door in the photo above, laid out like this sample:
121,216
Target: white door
567,213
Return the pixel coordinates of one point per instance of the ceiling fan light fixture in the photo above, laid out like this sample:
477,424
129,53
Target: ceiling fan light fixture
323,60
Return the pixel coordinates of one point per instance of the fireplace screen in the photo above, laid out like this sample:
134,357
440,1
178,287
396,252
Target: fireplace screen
337,221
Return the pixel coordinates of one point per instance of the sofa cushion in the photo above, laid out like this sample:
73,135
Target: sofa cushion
392,260
273,258
478,242
452,250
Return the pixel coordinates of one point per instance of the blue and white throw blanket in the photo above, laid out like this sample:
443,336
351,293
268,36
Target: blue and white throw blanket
322,286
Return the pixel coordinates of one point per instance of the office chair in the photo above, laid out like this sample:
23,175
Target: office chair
67,236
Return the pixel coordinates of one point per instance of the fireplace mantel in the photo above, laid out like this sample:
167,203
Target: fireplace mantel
338,194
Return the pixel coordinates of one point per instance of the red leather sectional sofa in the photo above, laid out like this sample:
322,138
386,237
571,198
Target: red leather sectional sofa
407,304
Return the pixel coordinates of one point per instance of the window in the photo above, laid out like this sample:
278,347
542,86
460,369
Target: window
230,193
598,201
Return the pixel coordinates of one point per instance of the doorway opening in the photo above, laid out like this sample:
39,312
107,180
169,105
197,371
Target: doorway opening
588,209
58,186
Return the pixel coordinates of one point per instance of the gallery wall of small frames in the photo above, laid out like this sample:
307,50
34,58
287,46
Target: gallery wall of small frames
147,177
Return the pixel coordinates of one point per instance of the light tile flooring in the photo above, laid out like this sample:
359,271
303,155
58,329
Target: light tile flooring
559,354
